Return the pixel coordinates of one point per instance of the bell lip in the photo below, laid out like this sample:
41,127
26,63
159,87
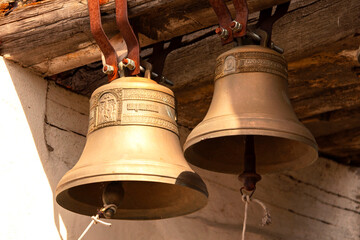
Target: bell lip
239,129
199,189
134,82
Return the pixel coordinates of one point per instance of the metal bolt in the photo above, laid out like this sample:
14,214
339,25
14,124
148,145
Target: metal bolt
235,26
129,64
254,36
108,69
222,32
277,48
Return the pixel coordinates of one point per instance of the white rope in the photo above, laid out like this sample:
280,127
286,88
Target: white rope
266,220
246,200
95,220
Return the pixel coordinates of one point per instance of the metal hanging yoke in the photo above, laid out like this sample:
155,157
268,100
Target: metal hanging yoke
133,59
229,28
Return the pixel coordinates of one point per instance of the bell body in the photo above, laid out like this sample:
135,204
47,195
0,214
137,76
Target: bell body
133,139
250,98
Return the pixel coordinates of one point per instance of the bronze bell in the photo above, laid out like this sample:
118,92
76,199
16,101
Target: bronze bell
250,98
132,158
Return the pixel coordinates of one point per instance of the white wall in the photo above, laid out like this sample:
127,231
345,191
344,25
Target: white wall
43,131
26,195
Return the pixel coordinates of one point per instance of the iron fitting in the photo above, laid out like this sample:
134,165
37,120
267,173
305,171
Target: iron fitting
276,48
222,32
129,63
108,69
254,36
236,26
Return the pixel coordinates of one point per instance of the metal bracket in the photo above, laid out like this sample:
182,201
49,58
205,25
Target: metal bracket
102,40
249,176
111,67
229,28
122,22
266,21
158,57
160,53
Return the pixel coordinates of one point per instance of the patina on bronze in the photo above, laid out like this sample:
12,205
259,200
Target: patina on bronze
250,98
132,140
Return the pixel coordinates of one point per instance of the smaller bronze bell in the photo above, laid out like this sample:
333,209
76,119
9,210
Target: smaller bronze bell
132,161
250,98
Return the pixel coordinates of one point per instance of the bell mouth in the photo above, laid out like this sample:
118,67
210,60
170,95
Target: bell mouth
143,200
273,153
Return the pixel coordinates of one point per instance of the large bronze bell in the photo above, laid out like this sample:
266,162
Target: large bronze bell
250,98
132,157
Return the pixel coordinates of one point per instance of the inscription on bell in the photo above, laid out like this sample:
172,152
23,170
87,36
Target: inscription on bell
142,107
108,108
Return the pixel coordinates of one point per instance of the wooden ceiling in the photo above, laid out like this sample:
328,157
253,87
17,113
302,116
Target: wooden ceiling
321,39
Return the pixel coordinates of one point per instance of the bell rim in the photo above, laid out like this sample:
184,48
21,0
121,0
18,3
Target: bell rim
202,194
244,132
239,130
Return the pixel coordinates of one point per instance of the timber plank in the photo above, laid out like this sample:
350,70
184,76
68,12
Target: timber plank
37,36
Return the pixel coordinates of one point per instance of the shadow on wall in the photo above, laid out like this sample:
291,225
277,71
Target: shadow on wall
319,202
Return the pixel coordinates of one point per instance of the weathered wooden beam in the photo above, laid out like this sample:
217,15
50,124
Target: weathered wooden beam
53,36
343,146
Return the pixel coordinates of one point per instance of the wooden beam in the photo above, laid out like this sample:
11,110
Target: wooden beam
53,36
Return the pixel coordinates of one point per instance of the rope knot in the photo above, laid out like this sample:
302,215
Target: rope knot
245,198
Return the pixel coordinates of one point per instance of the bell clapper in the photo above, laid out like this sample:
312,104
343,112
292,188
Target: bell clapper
249,176
112,197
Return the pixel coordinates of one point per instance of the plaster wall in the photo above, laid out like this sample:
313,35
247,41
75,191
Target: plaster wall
43,129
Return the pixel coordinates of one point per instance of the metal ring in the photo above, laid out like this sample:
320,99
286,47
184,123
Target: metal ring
251,194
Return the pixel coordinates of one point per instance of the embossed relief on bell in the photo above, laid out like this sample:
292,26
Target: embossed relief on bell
235,62
230,64
132,106
107,109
